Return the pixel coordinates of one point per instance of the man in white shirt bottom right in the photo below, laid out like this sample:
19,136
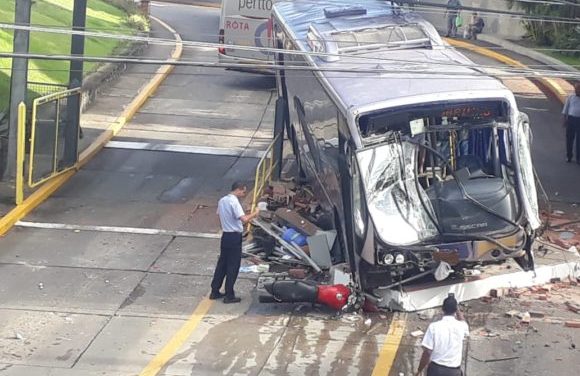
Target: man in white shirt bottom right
443,342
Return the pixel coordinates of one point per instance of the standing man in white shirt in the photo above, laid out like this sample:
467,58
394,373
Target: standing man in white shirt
443,342
571,112
232,219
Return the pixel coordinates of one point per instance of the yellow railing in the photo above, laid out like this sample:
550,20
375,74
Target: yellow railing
20,153
56,169
264,171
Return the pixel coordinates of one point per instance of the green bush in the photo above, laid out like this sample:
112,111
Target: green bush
560,35
139,22
569,41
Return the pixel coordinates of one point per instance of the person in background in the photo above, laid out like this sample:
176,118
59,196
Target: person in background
451,13
475,26
443,342
232,219
571,112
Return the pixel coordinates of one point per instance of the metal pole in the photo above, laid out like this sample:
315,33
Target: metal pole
279,122
71,129
18,82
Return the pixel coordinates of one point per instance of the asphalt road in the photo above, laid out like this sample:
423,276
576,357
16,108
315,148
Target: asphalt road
87,302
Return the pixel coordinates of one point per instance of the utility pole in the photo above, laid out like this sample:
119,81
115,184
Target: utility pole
71,131
18,82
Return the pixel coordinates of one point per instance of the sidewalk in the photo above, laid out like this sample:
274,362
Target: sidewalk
559,87
113,98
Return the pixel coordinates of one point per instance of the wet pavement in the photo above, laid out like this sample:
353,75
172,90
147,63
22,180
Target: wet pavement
88,301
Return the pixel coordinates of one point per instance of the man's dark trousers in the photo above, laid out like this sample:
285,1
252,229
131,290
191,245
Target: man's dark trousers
435,369
573,132
228,265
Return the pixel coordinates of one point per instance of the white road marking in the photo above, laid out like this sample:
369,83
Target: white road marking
116,229
189,149
535,109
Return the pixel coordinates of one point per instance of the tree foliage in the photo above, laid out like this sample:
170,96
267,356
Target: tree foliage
559,34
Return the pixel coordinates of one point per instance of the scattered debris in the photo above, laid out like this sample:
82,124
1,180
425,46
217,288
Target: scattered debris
537,315
494,359
368,322
424,317
472,272
525,317
487,299
417,333
297,273
40,286
488,333
573,307
260,268
18,336
512,313
572,324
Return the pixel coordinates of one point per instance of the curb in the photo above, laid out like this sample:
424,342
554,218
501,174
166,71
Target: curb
547,83
528,52
46,190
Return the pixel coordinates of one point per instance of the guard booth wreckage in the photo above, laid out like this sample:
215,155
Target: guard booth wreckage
409,160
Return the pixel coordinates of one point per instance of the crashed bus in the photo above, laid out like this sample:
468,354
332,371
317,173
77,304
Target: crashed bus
416,157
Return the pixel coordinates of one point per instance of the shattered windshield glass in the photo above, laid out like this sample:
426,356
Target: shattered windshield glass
527,174
443,171
399,214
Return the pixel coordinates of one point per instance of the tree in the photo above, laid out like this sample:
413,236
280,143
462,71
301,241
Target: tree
559,34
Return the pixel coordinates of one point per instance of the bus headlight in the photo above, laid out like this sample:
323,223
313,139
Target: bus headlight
399,258
388,259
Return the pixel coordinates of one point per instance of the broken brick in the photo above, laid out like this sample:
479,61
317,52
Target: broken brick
512,313
537,315
545,288
496,293
555,280
297,273
525,318
572,324
542,297
573,307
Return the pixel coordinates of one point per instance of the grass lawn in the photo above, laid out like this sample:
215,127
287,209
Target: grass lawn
101,16
570,60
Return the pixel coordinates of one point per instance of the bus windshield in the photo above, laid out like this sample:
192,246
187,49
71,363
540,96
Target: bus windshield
439,172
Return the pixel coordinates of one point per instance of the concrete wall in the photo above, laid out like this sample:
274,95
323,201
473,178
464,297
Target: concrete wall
502,26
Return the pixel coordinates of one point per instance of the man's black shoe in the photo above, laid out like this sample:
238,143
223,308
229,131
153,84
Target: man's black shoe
232,299
216,295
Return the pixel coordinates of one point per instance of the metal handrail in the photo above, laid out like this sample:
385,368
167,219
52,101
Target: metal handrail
264,170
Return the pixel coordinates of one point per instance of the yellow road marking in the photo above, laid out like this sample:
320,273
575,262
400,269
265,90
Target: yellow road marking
177,340
548,83
390,346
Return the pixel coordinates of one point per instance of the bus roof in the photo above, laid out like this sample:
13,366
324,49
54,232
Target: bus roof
393,74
